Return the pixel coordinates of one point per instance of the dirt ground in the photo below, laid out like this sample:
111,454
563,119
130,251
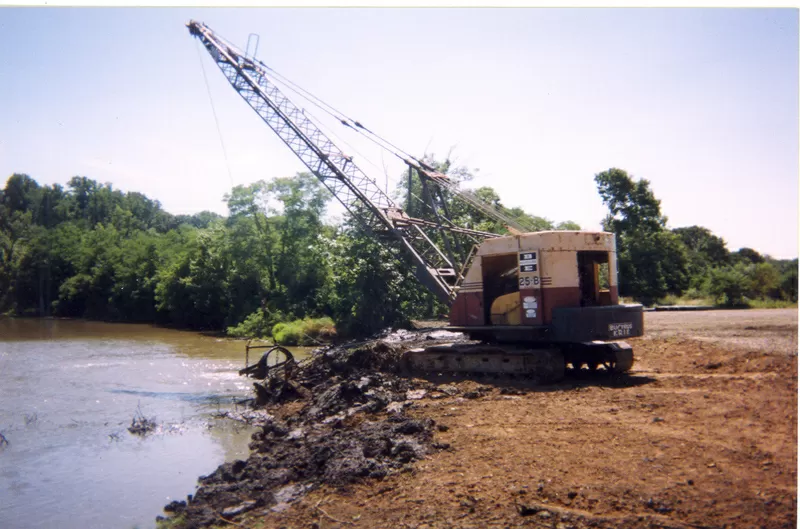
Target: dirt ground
702,433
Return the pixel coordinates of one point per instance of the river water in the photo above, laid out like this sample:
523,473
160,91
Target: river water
68,392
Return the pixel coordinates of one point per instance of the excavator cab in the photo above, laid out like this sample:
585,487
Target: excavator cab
539,302
552,291
594,278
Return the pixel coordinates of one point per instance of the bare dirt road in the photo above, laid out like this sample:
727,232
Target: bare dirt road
702,433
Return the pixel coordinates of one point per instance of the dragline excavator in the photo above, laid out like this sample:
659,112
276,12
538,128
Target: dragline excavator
536,302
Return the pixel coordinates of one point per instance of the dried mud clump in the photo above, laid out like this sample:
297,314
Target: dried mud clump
286,462
334,379
346,423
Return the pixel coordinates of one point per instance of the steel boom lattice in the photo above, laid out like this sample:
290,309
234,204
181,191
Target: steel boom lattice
358,193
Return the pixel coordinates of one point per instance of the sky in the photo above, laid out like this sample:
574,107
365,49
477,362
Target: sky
703,103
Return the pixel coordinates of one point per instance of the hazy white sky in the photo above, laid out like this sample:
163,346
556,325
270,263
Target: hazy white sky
702,102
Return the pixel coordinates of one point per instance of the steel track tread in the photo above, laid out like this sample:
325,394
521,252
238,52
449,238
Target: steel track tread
542,364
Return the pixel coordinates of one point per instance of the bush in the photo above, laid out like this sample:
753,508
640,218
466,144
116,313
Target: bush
788,285
771,304
695,294
728,286
308,331
691,297
669,300
287,333
256,325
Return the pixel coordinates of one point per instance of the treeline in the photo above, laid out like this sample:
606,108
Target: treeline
658,264
89,251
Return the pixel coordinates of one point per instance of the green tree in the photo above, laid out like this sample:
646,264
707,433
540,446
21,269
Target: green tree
704,245
22,194
568,225
461,212
652,261
192,290
704,251
16,230
632,205
135,278
651,265
747,256
88,293
300,268
280,223
728,286
764,280
788,282
373,287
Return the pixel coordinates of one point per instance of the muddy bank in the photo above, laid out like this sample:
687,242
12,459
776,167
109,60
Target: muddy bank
701,433
333,419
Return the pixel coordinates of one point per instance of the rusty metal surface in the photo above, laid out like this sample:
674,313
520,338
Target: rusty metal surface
277,360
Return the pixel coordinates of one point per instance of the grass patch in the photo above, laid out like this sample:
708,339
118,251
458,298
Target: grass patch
308,331
693,301
771,304
173,522
671,300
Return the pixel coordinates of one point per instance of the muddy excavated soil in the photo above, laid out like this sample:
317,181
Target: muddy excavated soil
701,433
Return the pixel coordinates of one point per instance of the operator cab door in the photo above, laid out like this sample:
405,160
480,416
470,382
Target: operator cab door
501,301
593,279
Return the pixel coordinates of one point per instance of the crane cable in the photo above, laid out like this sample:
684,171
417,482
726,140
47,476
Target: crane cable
289,85
498,212
343,118
340,116
214,111
319,123
296,89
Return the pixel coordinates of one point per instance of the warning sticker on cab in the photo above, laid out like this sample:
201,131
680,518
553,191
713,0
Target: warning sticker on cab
528,262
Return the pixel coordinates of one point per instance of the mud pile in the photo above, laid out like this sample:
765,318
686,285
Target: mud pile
333,419
364,376
288,462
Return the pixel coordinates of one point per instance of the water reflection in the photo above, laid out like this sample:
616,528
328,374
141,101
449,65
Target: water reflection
68,392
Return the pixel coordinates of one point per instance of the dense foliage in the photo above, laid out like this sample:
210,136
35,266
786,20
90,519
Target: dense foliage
656,262
273,266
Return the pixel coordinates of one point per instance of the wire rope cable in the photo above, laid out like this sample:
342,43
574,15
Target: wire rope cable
214,112
499,213
343,118
320,124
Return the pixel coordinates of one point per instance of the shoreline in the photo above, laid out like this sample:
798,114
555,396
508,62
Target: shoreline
702,432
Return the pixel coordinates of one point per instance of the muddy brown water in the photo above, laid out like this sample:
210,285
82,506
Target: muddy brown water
68,392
